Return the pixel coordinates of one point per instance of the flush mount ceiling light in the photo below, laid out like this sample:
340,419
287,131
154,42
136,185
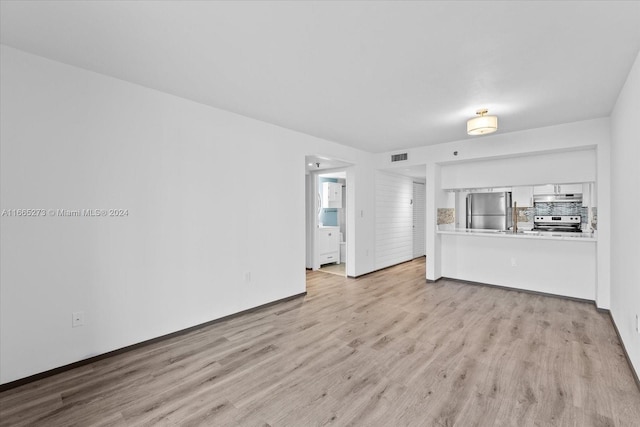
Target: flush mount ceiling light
482,124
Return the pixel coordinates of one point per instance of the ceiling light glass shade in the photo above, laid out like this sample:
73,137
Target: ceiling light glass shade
482,125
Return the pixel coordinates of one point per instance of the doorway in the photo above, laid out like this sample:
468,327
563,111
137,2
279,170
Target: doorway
328,215
331,230
408,182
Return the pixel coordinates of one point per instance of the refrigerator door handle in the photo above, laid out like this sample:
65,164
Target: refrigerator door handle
469,198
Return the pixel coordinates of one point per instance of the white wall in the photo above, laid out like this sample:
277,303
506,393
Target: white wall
549,168
625,225
200,216
603,202
435,198
394,219
361,201
580,135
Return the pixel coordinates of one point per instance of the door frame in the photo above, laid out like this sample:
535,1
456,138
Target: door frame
314,201
418,182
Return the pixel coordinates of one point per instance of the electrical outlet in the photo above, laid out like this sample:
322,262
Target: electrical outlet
247,277
77,319
513,262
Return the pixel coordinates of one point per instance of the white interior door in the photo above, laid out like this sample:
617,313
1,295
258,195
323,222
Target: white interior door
419,219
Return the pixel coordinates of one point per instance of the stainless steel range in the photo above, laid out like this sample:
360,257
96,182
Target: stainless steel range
558,212
557,223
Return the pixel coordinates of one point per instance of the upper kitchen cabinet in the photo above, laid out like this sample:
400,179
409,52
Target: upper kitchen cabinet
570,189
523,196
558,189
544,189
331,195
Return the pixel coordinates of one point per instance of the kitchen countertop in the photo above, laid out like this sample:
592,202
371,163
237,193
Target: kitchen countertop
523,234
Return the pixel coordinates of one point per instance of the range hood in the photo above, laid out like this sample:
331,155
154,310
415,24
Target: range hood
557,198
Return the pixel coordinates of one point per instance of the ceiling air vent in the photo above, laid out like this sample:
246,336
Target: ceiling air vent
399,157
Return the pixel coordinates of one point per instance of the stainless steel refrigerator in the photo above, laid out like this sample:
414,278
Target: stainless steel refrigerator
490,211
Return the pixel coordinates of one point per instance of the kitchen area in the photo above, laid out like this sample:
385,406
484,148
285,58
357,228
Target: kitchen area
538,237
553,210
524,237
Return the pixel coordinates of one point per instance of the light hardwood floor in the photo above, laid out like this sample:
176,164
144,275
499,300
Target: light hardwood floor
387,349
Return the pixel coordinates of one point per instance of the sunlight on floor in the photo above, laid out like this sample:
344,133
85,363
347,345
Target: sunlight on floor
338,269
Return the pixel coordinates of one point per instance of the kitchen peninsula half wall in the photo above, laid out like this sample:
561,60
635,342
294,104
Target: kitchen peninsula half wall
564,266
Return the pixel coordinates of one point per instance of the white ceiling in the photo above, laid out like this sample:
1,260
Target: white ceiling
373,75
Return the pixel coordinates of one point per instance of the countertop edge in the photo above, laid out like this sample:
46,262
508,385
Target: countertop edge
517,236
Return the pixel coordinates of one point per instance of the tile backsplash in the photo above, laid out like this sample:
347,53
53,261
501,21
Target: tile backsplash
559,208
525,214
446,216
